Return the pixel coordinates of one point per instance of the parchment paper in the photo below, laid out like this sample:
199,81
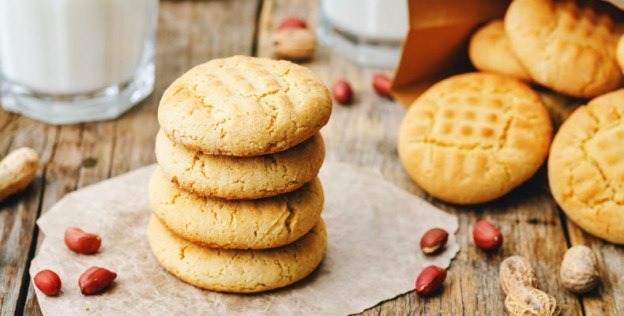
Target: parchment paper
373,253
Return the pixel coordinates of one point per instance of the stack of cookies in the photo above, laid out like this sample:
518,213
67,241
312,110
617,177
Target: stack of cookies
236,200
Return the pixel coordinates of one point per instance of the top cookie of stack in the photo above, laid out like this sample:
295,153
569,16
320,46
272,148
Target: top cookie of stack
243,128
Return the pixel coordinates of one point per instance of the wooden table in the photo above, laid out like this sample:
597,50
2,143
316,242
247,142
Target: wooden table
364,134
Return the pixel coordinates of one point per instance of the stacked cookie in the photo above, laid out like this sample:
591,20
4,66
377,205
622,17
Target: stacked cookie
236,198
568,46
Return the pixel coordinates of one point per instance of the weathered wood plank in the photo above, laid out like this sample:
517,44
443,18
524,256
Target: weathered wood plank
19,212
87,159
365,134
89,153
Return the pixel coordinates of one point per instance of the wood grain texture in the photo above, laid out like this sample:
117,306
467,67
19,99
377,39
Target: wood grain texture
189,33
364,133
19,212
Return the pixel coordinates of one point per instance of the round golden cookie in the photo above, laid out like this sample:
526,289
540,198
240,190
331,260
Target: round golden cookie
474,137
237,271
489,51
567,46
235,178
586,167
243,224
244,106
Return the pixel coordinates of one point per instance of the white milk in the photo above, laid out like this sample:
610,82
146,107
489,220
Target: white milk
369,19
62,47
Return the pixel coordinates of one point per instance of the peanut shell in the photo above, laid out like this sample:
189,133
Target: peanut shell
579,270
516,271
525,301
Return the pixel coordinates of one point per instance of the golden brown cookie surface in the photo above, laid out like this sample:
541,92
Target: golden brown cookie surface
243,224
489,50
586,167
237,271
567,46
474,137
236,178
620,52
244,106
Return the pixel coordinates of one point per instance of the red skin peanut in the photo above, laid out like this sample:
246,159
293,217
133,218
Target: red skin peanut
433,240
48,282
81,242
486,236
383,85
292,22
430,280
341,90
95,280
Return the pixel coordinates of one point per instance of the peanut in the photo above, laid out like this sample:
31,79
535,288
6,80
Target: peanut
579,271
523,300
430,280
48,282
292,22
95,280
294,44
486,236
383,85
80,242
342,91
17,170
433,240
516,271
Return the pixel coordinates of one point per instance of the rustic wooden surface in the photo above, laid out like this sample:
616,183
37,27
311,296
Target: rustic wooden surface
364,134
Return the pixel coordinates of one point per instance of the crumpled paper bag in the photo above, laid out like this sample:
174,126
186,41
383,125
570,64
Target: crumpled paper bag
374,230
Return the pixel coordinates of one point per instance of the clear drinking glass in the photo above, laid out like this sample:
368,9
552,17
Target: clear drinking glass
368,32
68,61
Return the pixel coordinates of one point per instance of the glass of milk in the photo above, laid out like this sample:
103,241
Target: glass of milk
368,32
69,61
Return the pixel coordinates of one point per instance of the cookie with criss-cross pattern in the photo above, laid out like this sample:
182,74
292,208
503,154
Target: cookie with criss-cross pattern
566,45
586,167
244,106
474,137
237,271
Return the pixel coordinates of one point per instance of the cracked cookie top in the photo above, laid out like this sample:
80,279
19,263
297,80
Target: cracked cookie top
242,224
474,137
586,167
567,45
244,106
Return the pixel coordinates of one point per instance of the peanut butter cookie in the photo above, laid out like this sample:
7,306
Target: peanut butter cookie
474,137
586,167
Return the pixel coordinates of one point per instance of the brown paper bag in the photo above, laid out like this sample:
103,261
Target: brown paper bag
436,45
